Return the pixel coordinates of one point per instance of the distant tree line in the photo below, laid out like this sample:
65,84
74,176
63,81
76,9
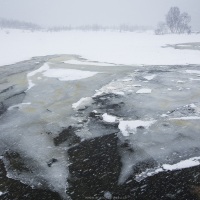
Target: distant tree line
96,27
14,24
175,22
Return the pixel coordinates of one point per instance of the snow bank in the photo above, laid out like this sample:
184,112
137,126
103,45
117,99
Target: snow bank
109,47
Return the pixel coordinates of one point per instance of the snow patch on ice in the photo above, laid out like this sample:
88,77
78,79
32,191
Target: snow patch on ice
108,118
33,73
82,103
191,162
186,118
119,93
60,73
127,127
180,81
182,164
30,84
68,74
150,77
18,106
192,105
144,91
193,71
41,69
1,193
82,62
127,80
195,79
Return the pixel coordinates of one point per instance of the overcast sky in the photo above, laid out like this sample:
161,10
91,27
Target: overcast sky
103,12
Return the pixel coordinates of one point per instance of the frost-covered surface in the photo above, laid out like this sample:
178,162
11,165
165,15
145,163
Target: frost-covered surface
111,47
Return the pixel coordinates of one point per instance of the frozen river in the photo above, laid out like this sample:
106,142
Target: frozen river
76,129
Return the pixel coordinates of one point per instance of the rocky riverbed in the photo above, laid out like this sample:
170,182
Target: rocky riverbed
75,129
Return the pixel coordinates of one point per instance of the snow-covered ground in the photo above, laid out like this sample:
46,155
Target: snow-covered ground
111,47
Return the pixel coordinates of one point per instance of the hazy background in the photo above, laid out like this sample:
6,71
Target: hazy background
102,12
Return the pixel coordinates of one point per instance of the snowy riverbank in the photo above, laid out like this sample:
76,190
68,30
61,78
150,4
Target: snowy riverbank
127,48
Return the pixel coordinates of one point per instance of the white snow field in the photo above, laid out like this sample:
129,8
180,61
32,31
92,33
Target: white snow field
110,47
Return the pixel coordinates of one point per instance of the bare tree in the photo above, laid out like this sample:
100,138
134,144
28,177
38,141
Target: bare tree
161,28
184,23
177,22
173,18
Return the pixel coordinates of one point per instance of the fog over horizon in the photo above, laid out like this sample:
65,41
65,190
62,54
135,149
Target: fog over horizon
103,12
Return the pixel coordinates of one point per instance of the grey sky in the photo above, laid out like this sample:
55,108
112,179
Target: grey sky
104,12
